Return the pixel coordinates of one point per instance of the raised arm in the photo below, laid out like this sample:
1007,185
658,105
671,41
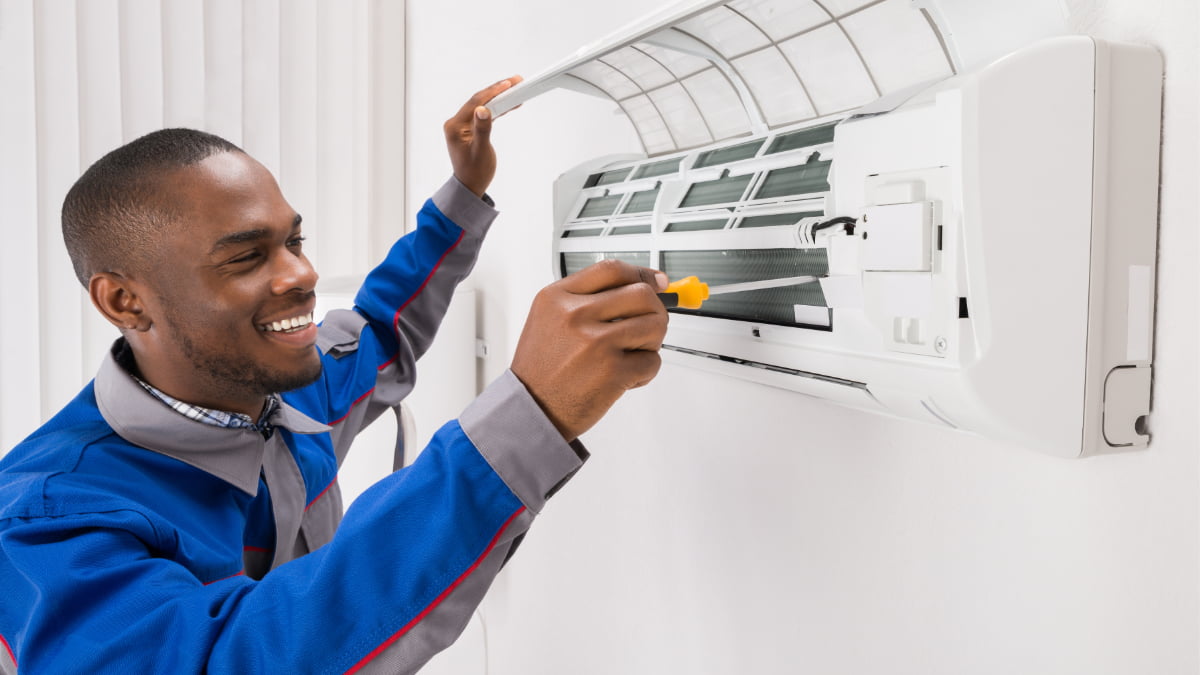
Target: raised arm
587,339
371,353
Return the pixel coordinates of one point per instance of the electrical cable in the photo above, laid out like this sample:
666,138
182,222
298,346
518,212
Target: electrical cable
840,220
483,629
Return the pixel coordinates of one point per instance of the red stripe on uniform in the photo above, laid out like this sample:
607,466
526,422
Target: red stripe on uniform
438,600
12,657
257,549
396,318
224,578
318,497
358,400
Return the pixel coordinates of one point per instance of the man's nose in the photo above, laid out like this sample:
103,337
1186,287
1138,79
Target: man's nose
293,273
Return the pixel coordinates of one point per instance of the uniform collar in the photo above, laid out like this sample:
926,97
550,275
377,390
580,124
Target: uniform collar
233,455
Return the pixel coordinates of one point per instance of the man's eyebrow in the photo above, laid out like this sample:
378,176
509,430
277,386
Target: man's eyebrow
244,236
240,238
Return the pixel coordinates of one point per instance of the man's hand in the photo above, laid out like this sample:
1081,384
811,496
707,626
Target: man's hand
468,138
589,337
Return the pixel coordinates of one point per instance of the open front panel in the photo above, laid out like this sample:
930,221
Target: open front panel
713,71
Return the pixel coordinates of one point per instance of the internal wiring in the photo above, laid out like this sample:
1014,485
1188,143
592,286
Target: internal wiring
833,222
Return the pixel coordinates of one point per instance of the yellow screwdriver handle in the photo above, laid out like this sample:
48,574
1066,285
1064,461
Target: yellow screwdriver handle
685,293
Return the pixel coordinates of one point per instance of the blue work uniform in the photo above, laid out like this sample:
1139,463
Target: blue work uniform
136,540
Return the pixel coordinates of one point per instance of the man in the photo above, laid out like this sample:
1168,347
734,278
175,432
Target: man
179,515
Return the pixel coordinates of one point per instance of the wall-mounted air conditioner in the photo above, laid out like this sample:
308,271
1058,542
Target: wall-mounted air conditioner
983,239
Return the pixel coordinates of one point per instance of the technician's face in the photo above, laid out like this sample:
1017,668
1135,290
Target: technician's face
236,291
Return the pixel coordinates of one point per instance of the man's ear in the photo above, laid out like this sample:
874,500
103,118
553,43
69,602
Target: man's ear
117,299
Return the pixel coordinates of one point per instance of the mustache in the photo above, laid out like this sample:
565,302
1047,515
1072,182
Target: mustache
304,297
300,300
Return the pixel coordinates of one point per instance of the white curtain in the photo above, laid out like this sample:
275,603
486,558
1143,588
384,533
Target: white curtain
312,88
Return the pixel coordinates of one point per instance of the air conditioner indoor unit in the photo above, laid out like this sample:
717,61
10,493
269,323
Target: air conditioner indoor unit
981,241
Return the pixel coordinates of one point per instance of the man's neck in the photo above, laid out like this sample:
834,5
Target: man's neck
252,408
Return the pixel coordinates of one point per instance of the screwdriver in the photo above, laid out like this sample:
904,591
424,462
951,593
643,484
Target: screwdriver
690,292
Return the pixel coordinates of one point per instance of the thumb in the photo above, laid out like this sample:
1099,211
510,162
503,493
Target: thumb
483,125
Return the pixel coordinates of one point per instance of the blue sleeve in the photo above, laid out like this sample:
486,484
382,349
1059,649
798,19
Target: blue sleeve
406,296
97,592
369,354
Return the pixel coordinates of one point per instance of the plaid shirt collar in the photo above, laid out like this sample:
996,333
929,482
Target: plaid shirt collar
217,418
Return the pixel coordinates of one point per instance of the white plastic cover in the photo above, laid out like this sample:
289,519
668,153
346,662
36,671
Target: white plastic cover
709,72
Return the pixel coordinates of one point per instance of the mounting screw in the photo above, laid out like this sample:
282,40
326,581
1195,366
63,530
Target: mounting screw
940,344
755,332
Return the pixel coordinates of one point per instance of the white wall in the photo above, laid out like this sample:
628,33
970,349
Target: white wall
724,527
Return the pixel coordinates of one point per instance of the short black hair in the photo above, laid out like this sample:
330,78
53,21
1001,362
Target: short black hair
112,216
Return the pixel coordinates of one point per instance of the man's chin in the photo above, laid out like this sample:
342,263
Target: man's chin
297,380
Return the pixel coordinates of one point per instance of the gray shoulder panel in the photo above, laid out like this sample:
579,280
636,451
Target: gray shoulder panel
339,332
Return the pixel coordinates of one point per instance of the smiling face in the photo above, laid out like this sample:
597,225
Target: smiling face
229,304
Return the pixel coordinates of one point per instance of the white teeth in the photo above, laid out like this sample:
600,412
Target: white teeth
294,323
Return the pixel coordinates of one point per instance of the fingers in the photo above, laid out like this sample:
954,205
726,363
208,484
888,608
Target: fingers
483,125
485,95
468,138
611,274
623,293
624,302
481,97
639,333
642,367
589,338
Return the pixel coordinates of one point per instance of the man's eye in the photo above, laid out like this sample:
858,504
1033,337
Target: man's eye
244,258
295,242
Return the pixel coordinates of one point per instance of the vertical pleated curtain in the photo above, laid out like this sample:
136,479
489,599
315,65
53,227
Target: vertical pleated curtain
312,88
